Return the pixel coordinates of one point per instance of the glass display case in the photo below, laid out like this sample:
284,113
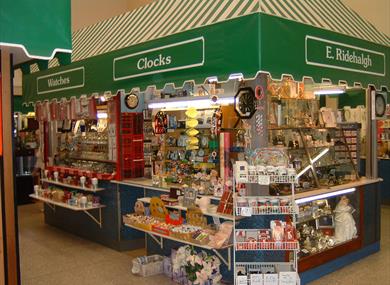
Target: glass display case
321,146
327,223
80,137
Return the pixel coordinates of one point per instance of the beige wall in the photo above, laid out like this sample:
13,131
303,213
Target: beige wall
375,11
89,12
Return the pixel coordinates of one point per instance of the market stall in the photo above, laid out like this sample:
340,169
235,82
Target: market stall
249,126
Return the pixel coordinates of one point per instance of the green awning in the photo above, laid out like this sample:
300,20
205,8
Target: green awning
35,29
163,18
310,38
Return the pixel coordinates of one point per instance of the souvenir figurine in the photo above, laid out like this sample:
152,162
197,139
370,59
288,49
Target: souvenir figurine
345,226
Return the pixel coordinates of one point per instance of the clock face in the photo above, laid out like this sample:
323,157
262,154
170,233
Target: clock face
131,101
244,103
380,105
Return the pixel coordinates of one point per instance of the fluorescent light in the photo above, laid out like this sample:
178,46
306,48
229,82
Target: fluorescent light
212,79
200,103
322,153
323,196
303,171
238,76
102,115
329,90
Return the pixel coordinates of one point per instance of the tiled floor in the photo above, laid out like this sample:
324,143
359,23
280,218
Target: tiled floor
51,256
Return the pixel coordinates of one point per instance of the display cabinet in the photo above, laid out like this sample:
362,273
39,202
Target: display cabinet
322,148
329,226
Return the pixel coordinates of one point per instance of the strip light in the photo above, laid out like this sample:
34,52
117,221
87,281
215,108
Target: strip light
199,104
322,153
323,196
102,115
329,90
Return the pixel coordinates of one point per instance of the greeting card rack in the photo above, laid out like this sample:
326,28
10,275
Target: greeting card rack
253,273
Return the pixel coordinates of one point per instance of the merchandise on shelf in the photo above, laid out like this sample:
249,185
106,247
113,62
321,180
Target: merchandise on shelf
324,224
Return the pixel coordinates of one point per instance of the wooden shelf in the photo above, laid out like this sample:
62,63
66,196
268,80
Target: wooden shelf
49,181
205,246
64,205
181,208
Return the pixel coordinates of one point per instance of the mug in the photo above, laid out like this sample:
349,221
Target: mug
82,181
94,182
83,201
36,190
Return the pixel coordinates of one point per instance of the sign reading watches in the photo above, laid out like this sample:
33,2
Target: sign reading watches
325,53
177,56
64,80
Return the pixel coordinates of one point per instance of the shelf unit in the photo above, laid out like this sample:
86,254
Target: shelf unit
159,239
146,200
52,204
66,185
291,246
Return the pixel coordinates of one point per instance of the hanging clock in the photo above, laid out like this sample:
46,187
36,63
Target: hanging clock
131,101
380,104
244,103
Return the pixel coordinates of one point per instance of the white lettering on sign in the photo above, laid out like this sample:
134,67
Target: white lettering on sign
58,81
348,56
146,63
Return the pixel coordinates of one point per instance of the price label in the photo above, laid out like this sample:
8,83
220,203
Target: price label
264,180
246,211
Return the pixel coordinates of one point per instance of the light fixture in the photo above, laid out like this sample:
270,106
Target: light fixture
321,154
325,195
102,115
212,79
328,90
303,171
238,76
198,102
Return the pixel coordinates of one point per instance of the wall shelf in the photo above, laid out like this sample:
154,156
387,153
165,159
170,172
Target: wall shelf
66,185
52,204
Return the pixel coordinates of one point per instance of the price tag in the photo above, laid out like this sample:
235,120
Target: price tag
264,179
246,211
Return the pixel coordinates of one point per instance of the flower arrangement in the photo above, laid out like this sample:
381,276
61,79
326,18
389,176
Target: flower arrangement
201,268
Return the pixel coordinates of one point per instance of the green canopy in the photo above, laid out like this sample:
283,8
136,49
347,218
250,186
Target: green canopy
35,29
175,41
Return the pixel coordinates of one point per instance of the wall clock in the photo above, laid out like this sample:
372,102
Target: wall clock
131,101
380,104
244,103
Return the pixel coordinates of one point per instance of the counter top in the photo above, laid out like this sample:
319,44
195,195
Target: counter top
147,183
361,182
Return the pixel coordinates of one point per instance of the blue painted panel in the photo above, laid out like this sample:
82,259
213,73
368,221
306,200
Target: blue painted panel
128,197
